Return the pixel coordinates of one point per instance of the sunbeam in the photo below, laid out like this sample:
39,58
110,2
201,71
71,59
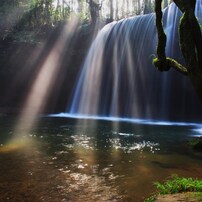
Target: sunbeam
84,116
45,79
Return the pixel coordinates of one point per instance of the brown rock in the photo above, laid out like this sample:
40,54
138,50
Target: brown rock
183,197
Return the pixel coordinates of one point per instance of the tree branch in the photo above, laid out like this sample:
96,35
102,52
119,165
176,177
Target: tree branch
190,37
177,66
162,62
170,63
180,5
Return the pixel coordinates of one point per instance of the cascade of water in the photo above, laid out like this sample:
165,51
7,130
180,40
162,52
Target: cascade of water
118,78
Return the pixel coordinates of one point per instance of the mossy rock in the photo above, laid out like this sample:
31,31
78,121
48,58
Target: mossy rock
196,144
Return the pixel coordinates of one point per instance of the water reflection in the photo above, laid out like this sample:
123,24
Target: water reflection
66,160
129,142
197,132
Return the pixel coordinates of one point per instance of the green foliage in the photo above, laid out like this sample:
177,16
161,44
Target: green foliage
150,199
40,12
36,13
178,185
25,37
60,13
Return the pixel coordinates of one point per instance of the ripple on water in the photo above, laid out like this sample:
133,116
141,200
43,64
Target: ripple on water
84,187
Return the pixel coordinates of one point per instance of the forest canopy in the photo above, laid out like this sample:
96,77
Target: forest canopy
33,14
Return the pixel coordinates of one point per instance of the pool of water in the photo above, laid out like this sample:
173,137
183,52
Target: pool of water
65,159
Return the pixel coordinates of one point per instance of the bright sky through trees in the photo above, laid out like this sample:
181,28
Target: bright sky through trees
120,8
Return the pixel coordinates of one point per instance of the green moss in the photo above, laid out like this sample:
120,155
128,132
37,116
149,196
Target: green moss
155,61
196,143
161,64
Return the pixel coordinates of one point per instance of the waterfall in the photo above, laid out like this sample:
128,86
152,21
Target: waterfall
119,80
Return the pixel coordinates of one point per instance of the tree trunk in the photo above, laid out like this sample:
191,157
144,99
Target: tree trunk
190,43
111,11
94,11
138,7
63,9
147,7
117,10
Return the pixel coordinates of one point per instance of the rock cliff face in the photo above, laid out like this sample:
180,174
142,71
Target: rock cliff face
21,59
